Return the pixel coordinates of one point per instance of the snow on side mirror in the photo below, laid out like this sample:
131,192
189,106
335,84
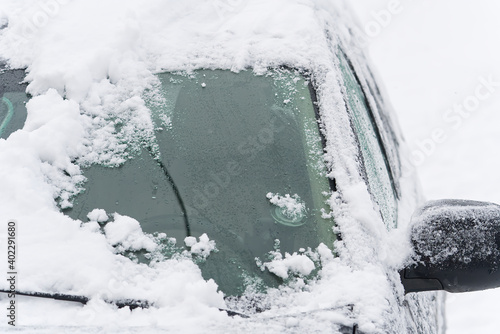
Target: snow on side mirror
456,245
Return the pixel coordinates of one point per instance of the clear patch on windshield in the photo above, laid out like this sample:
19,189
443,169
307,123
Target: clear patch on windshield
224,141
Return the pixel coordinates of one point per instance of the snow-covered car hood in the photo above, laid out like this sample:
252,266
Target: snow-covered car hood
89,64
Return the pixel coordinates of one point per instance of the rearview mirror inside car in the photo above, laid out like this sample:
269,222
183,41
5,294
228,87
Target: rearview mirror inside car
456,247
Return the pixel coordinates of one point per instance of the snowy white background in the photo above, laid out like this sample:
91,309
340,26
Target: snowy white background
431,55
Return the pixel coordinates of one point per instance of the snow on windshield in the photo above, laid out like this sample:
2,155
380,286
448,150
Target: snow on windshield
292,207
89,64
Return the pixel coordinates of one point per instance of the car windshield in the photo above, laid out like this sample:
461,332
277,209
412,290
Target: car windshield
12,102
237,156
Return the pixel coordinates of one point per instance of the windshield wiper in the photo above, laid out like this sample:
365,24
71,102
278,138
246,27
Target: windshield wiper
131,303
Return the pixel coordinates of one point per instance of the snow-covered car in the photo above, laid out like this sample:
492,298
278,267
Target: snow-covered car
216,166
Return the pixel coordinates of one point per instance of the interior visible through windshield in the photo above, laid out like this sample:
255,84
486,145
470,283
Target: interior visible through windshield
237,156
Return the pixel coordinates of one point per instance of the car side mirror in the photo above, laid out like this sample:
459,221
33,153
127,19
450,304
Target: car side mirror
456,247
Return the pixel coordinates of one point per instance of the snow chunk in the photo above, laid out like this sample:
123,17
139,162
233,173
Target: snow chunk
53,129
98,215
91,226
294,263
325,253
293,207
203,247
126,233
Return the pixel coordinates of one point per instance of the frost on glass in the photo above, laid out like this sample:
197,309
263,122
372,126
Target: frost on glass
222,141
375,167
458,232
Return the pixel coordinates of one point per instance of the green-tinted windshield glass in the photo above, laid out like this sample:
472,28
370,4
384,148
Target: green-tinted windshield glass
238,157
12,102
376,168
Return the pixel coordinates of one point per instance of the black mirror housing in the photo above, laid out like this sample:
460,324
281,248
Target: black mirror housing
456,245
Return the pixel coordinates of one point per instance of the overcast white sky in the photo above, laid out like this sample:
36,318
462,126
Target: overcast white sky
434,58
